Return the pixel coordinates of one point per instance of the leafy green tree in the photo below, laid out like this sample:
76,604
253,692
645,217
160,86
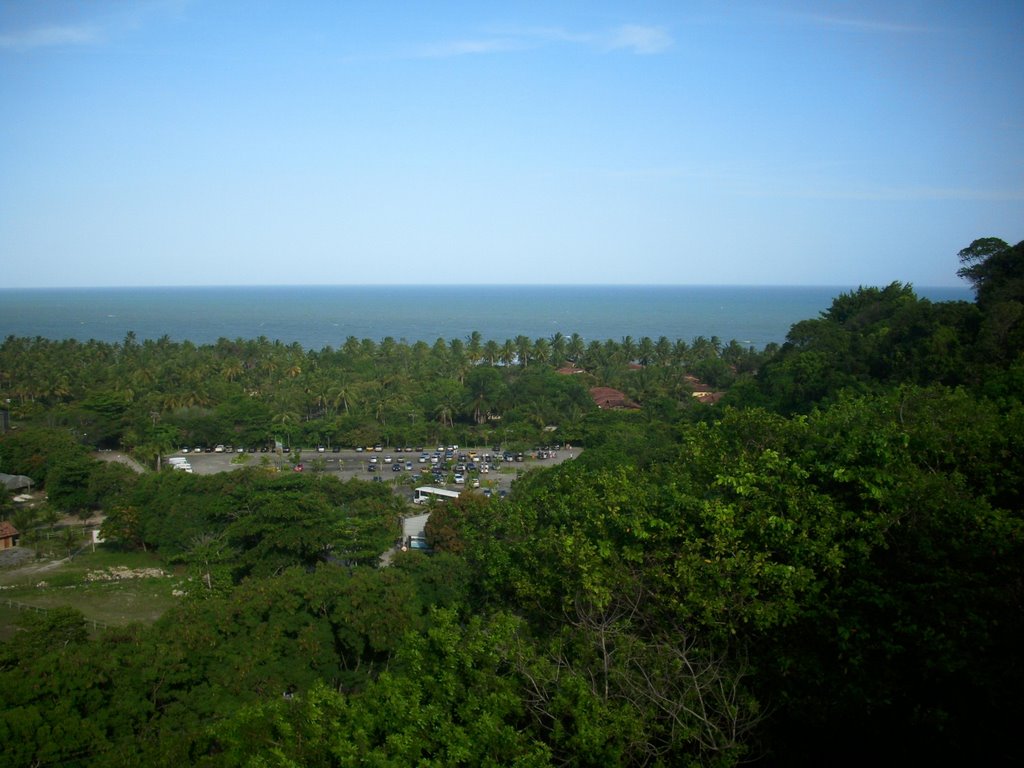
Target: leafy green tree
281,530
67,484
445,703
109,484
35,451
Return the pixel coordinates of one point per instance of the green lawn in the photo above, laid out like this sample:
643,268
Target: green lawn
110,602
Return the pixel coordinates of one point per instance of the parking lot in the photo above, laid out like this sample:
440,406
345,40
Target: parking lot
349,463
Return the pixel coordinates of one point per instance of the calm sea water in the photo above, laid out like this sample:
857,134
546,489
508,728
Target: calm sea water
320,316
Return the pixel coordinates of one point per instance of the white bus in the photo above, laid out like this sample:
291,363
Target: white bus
426,492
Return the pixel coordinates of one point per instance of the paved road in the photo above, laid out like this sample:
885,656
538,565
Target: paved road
120,458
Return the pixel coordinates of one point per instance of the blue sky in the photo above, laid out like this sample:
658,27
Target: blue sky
183,142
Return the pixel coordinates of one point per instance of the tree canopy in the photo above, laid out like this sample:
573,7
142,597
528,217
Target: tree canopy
824,567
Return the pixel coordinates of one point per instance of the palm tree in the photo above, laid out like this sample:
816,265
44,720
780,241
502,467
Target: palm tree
645,351
484,391
508,352
286,421
594,354
440,355
663,350
386,348
351,346
492,352
524,348
681,353
319,387
231,369
541,350
474,347
340,394
576,348
628,349
444,411
703,348
558,347
459,362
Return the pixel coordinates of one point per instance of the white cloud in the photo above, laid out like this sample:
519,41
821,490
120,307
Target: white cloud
640,39
634,38
861,25
46,37
469,47
93,23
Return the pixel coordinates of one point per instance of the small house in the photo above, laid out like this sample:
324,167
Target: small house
8,535
609,399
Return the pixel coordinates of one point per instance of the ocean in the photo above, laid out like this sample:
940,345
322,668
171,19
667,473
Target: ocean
321,316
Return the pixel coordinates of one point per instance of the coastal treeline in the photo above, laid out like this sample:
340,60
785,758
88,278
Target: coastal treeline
824,567
159,395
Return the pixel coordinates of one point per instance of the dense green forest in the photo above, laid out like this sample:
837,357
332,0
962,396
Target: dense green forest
824,567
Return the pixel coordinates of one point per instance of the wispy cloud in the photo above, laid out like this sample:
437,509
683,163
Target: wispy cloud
632,38
859,25
640,39
470,47
49,36
86,23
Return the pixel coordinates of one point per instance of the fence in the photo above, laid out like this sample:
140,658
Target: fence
18,605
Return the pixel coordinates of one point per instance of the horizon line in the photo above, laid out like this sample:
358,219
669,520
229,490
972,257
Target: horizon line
422,286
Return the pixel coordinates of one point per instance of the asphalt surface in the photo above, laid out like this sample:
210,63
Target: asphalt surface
347,464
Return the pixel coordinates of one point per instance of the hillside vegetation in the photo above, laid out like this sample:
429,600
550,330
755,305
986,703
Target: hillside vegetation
823,568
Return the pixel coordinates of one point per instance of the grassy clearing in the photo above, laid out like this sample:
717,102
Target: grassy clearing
53,584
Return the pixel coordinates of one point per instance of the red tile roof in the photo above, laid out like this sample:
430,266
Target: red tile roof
611,399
